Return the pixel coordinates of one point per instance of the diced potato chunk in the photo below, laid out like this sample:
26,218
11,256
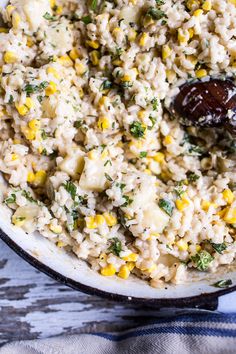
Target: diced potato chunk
24,217
73,163
34,11
59,38
93,177
154,218
143,195
130,14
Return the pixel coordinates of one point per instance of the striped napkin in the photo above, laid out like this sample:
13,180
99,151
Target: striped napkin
205,333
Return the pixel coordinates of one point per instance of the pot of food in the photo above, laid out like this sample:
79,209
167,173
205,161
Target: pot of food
117,146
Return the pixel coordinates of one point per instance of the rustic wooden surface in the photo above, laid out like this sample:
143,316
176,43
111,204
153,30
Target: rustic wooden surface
32,305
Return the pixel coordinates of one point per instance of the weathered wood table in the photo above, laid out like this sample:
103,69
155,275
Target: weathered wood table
33,305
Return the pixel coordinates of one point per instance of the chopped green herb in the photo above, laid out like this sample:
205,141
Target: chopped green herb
218,247
121,186
153,120
128,200
155,13
78,123
40,99
108,177
70,188
126,84
103,146
35,88
192,176
44,152
44,134
86,20
10,199
53,155
160,2
20,218
93,5
202,260
223,283
108,162
49,17
195,150
115,247
137,129
143,154
167,206
179,189
11,99
28,196
154,103
169,248
106,85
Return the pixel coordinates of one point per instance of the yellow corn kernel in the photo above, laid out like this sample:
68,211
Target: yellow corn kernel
130,265
207,5
52,3
81,92
94,56
159,157
14,157
198,13
74,54
182,245
3,30
228,196
183,36
117,62
104,154
126,78
15,20
192,59
99,219
57,229
108,271
40,177
60,244
111,220
191,32
92,155
198,248
201,73
134,2
168,140
103,123
103,100
205,205
53,71
232,2
166,51
124,272
137,143
155,235
230,216
116,31
80,68
132,35
143,39
10,57
151,269
132,257
30,177
90,222
59,10
16,141
29,103
10,9
181,204
34,124
193,4
93,44
29,42
28,133
22,109
51,88
171,75
18,221
141,113
65,60
147,171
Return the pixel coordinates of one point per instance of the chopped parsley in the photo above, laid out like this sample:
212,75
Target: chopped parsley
78,124
44,134
167,206
223,283
192,176
137,129
49,17
153,121
70,188
121,186
86,20
28,196
115,247
218,247
143,154
106,85
35,88
11,199
195,150
128,200
154,103
160,2
108,162
179,189
93,5
155,13
202,260
11,100
108,177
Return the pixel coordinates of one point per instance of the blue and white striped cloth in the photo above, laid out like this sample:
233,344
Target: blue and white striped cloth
205,333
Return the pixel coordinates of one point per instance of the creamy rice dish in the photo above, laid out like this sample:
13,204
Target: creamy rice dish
92,159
